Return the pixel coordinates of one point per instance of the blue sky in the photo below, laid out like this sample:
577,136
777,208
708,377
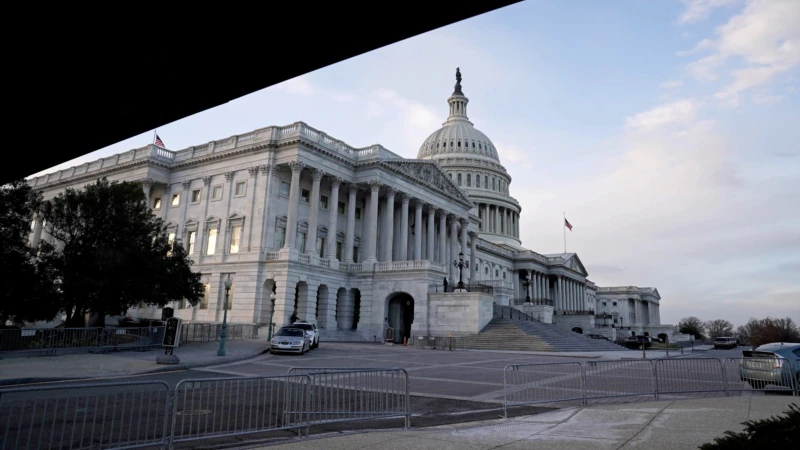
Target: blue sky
667,130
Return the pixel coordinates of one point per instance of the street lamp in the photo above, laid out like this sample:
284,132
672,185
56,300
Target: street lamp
461,264
223,335
271,313
527,284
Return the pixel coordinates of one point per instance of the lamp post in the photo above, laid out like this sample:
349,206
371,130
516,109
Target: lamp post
271,313
461,264
223,335
527,284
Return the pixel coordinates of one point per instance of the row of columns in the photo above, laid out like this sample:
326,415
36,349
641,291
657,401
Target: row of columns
385,248
568,294
573,295
499,220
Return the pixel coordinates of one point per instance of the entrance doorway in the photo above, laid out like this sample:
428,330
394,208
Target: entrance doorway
401,316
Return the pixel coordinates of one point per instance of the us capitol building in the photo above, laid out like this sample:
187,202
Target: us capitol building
360,239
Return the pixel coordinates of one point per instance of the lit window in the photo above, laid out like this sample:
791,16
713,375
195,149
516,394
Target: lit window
171,238
323,202
157,203
236,236
212,241
241,189
216,192
192,237
176,199
305,195
284,188
196,196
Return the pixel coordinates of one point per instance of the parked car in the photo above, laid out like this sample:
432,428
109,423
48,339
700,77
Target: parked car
597,336
636,342
774,363
725,342
290,340
311,330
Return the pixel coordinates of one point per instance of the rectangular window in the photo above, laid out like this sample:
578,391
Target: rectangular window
241,189
176,199
323,201
615,303
355,254
469,180
477,181
192,237
301,242
212,241
284,188
604,303
358,213
305,195
171,238
236,236
216,192
280,237
157,203
321,247
339,251
341,208
196,196
206,295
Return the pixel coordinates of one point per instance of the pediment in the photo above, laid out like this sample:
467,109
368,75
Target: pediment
431,175
574,263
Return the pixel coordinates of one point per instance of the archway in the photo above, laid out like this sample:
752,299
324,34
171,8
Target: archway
578,330
401,315
664,337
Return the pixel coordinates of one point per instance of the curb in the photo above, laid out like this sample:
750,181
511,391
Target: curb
10,382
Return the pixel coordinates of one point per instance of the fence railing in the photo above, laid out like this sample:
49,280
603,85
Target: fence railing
207,332
53,340
439,342
528,384
507,312
474,287
532,301
150,414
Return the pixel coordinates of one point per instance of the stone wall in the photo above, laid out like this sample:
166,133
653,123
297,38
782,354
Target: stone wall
458,314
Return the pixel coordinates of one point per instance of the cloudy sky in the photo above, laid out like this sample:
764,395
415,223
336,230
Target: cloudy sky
668,131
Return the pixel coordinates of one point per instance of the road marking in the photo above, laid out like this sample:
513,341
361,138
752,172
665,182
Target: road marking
76,380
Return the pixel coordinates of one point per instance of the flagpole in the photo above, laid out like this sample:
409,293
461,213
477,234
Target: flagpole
564,225
155,133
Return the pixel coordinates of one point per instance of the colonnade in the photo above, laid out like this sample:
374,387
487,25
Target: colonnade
567,294
499,220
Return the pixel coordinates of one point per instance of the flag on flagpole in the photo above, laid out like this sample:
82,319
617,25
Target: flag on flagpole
159,142
567,224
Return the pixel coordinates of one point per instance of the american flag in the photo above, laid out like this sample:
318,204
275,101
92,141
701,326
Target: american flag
159,142
567,224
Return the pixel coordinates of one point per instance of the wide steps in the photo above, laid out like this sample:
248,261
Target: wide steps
512,334
340,336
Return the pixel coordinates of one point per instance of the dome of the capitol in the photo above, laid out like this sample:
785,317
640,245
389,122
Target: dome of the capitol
458,136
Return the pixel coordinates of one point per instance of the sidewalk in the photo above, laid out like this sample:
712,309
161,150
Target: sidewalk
675,424
89,365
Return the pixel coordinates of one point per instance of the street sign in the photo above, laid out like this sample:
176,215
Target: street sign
172,333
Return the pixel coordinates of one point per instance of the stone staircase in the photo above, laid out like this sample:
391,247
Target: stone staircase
523,334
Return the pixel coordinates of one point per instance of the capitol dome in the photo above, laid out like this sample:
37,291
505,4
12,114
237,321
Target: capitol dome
458,136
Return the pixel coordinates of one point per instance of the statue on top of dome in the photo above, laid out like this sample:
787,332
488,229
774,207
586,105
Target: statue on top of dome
457,90
458,75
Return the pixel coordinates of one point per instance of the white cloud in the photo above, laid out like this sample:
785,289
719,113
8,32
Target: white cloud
300,86
763,41
766,99
674,84
697,10
676,112
512,156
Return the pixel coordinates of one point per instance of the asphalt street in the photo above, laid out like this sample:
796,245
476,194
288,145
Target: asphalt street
446,387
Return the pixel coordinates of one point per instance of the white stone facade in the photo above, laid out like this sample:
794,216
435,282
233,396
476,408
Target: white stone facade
352,238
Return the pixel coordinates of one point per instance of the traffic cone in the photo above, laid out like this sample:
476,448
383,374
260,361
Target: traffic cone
405,341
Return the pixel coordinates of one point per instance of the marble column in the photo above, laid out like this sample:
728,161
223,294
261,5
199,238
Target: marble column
464,224
453,248
473,270
403,256
350,227
333,218
372,245
486,219
418,231
388,238
442,237
313,216
37,231
431,249
496,220
147,183
560,293
294,200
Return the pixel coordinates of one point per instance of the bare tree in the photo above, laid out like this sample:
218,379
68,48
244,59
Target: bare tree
759,332
692,325
719,328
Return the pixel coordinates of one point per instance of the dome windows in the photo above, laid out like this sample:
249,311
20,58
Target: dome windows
459,179
469,180
459,144
477,179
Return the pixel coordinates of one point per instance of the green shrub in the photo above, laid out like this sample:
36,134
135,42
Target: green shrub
772,433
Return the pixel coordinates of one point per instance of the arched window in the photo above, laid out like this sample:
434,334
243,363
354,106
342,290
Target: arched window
459,179
477,180
469,180
451,175
486,181
493,185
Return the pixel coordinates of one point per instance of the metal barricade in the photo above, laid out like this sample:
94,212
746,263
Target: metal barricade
527,384
689,375
220,407
342,395
760,374
625,378
87,416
